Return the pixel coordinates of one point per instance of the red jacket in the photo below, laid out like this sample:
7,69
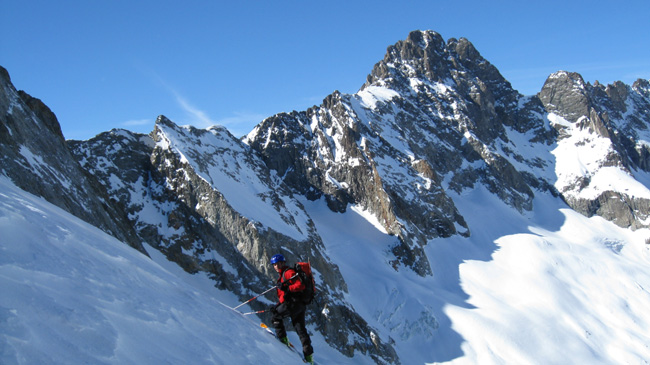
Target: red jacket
295,285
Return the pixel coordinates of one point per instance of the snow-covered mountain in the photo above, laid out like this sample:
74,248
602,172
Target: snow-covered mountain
208,202
448,218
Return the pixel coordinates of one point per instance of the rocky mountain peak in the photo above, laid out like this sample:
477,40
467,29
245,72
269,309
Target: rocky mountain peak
642,86
618,93
419,56
424,55
430,70
164,121
608,125
4,76
464,49
44,113
565,93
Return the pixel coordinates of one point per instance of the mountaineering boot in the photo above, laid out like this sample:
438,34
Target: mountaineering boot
309,359
285,340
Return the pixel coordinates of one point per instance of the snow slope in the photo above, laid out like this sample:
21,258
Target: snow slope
72,294
551,287
221,160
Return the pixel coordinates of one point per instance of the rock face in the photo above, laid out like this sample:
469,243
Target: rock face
608,126
209,203
35,157
433,121
431,118
447,117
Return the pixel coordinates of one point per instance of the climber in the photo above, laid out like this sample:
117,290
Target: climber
290,305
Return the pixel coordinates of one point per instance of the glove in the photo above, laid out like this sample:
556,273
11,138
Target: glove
285,286
274,308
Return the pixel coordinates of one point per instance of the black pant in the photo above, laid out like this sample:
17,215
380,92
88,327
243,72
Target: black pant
296,311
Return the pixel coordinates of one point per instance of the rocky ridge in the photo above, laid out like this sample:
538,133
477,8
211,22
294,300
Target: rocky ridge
206,201
35,156
612,123
431,118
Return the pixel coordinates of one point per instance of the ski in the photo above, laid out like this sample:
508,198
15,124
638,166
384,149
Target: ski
290,345
267,329
270,332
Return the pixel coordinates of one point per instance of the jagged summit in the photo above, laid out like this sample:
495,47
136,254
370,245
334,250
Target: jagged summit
163,120
420,55
431,108
566,93
425,56
642,86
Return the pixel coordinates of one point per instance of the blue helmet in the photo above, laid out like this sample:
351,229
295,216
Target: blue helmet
277,258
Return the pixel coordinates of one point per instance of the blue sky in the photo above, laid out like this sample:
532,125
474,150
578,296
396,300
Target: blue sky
119,64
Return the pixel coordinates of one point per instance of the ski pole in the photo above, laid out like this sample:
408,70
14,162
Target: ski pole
259,295
255,297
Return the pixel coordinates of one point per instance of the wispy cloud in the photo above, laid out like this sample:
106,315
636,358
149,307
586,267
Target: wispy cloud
239,122
137,122
196,116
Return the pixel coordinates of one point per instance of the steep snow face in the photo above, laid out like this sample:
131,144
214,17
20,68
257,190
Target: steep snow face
73,294
208,203
585,277
229,167
601,154
549,287
582,158
373,95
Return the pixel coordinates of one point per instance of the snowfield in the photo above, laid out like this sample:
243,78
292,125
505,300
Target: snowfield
548,287
71,294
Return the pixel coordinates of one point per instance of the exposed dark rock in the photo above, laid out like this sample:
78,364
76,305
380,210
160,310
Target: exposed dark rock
34,155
